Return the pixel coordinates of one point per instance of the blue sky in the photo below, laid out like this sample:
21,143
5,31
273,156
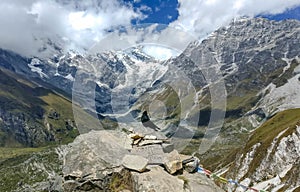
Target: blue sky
157,11
289,14
166,11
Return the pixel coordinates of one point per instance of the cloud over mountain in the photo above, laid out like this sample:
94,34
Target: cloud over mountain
25,25
204,16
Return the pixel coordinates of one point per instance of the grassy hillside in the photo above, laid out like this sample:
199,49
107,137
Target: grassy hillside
32,115
265,134
33,121
29,169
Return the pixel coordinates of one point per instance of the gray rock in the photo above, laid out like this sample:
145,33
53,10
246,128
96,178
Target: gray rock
153,153
69,186
122,139
198,182
173,162
135,162
95,161
157,180
168,147
95,155
150,142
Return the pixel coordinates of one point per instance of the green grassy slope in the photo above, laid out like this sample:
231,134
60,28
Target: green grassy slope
265,134
24,165
30,169
40,114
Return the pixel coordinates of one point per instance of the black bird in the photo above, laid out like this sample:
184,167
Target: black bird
147,122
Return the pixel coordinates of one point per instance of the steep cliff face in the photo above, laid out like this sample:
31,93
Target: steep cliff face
270,158
260,71
256,60
252,54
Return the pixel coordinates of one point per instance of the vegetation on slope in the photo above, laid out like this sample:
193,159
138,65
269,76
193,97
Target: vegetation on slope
27,114
33,116
29,169
265,134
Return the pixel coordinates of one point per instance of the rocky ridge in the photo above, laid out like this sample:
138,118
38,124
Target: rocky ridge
115,161
250,54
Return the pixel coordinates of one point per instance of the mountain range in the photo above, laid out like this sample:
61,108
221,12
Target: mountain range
245,75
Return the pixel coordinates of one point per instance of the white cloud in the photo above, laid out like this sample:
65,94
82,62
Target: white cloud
203,17
159,52
155,35
80,20
25,25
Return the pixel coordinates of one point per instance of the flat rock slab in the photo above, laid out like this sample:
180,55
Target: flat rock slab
135,162
154,153
157,180
150,142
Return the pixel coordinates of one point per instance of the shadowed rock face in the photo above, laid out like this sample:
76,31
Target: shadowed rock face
95,159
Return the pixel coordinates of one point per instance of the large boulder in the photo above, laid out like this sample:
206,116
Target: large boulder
157,180
92,157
